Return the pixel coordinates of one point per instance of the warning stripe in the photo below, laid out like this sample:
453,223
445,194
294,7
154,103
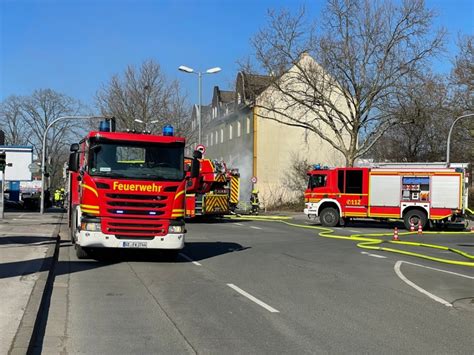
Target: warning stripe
234,189
219,178
212,202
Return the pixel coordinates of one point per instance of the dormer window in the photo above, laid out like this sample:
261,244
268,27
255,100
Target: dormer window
239,98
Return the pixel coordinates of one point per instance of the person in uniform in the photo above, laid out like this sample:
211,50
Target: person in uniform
254,203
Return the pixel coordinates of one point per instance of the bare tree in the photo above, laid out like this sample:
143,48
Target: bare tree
145,94
364,48
424,114
13,122
38,111
462,75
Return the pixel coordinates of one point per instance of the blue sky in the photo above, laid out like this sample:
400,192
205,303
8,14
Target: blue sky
75,46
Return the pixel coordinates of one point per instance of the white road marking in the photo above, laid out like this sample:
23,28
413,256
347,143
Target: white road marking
354,231
255,227
189,259
418,288
374,255
238,224
253,299
440,270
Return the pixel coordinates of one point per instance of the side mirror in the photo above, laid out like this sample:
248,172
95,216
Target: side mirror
73,164
195,166
197,154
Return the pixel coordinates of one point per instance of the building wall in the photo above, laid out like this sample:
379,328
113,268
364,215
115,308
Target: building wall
236,152
265,148
278,147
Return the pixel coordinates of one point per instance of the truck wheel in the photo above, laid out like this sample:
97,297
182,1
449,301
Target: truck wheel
81,253
415,216
329,217
72,228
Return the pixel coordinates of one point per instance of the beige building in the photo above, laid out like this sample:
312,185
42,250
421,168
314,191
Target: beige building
234,131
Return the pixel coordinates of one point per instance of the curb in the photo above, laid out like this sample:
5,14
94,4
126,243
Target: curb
27,332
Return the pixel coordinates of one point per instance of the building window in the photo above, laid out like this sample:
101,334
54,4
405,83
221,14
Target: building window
207,139
248,125
222,135
239,98
230,132
217,137
212,138
239,128
214,112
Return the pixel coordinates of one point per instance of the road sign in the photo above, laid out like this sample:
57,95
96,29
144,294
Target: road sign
34,168
254,179
201,148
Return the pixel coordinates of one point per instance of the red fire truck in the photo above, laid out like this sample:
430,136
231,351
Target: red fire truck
127,190
216,191
417,193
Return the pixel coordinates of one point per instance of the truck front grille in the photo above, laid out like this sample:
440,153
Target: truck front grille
135,228
135,205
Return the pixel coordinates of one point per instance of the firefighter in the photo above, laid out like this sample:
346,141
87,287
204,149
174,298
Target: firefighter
255,205
57,197
62,197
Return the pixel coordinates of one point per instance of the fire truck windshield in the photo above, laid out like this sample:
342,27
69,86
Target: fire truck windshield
316,181
136,160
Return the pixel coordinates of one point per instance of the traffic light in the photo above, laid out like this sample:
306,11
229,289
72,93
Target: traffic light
3,161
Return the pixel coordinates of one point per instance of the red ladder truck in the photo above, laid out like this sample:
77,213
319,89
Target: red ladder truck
418,193
216,191
127,190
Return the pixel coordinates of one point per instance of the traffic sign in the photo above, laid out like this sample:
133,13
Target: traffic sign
254,180
201,148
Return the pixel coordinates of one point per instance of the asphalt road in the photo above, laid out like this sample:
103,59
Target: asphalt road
250,287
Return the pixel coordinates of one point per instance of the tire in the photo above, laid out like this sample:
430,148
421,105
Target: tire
82,253
417,216
72,228
329,217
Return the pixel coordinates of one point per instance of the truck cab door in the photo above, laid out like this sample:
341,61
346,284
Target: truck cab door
353,186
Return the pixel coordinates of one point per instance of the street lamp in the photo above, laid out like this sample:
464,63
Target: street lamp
146,123
449,134
199,74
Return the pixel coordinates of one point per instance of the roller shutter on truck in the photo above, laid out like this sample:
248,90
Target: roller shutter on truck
384,190
445,191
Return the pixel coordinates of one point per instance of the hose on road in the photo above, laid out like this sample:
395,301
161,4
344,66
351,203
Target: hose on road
367,241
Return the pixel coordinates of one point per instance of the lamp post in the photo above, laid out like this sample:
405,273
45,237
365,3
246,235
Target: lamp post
43,158
199,74
449,134
146,123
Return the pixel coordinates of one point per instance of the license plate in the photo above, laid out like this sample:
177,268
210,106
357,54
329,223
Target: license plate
134,244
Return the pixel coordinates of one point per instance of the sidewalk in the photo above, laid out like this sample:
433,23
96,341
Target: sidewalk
27,243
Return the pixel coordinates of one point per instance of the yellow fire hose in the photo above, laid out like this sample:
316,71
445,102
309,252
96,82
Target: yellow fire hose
368,242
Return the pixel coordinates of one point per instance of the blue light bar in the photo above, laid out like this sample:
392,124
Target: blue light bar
168,130
104,126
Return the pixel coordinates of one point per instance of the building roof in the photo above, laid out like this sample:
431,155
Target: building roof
226,96
256,83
